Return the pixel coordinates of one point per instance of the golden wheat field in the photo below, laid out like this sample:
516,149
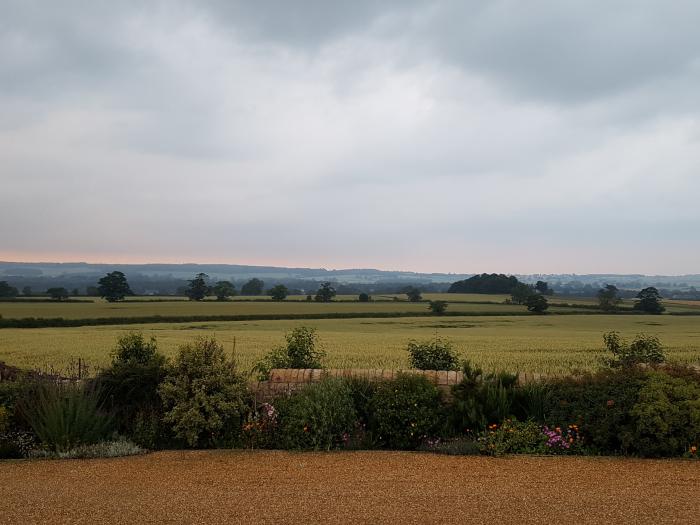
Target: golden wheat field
543,344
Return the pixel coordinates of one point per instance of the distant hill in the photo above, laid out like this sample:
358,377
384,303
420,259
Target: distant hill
168,278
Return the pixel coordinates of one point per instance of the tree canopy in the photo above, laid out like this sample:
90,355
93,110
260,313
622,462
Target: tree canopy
197,289
649,301
609,298
485,283
223,290
7,291
325,293
278,292
253,287
58,293
113,287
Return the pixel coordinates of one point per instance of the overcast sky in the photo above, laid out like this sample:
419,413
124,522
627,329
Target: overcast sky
463,136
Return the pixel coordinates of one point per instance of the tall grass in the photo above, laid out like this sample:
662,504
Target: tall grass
64,416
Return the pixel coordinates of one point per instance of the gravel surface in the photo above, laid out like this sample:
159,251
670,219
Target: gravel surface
348,487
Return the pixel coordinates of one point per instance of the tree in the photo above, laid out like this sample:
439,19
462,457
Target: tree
223,290
485,283
7,291
649,301
253,287
278,293
325,293
521,292
27,291
113,287
197,289
543,288
364,297
300,351
437,307
413,294
609,298
536,303
58,293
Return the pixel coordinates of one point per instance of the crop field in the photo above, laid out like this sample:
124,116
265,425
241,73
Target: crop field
541,344
100,308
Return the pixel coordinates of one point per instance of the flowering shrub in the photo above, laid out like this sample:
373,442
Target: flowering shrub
16,445
515,437
405,411
259,429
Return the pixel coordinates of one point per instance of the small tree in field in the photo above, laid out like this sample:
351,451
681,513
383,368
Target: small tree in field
521,292
58,293
649,301
364,297
325,293
113,287
413,294
253,287
197,289
609,298
278,293
437,307
537,303
223,290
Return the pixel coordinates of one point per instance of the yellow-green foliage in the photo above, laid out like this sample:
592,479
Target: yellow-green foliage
544,344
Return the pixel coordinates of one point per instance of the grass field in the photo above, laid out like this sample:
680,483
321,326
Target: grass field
545,344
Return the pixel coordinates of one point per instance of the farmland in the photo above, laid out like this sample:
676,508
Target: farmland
545,344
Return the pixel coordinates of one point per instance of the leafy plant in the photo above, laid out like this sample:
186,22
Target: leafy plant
405,411
300,351
513,437
436,354
437,307
130,386
204,397
103,449
321,416
66,415
645,349
481,398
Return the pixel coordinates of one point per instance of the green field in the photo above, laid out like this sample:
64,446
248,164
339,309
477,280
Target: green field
544,344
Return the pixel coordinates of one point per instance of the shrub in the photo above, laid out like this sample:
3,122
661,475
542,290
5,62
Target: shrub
436,354
301,351
665,417
405,411
645,349
321,416
363,297
600,405
481,398
362,391
10,393
437,307
64,416
130,387
260,428
204,397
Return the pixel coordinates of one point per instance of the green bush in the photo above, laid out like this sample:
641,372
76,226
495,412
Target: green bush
16,444
665,417
600,404
321,416
300,351
64,416
10,393
436,354
481,398
405,411
130,386
205,399
644,350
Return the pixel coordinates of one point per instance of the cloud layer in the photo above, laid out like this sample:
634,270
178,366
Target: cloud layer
543,136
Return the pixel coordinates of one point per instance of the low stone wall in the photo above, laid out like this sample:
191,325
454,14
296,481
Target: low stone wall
285,380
